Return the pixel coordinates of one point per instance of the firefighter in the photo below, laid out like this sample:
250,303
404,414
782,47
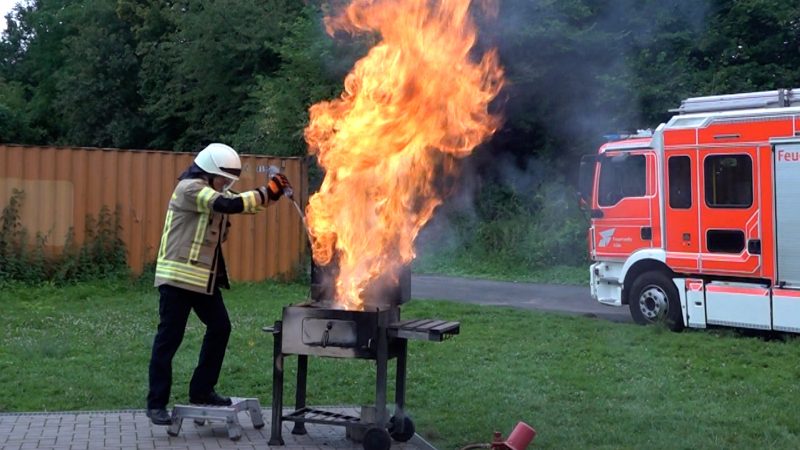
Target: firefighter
190,271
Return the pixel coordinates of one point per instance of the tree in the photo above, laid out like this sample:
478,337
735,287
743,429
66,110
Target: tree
312,67
96,85
197,77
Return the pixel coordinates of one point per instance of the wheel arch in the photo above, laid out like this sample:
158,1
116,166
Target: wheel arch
639,267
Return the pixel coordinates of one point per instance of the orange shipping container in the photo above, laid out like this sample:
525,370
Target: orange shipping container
62,185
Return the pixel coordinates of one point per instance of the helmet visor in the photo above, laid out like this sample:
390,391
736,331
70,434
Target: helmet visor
233,172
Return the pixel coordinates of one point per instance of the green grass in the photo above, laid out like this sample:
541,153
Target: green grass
463,265
582,383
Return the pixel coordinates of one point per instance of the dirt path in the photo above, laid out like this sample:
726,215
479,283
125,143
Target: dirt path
543,297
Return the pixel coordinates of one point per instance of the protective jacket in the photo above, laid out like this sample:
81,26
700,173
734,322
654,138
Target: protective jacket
190,254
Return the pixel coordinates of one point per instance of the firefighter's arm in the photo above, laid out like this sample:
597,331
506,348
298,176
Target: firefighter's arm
202,198
249,202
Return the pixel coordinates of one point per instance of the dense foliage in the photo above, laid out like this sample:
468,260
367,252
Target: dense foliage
178,74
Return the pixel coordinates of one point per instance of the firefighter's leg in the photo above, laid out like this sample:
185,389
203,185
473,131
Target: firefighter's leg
212,312
173,312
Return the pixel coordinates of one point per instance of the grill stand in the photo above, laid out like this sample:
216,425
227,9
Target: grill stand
377,435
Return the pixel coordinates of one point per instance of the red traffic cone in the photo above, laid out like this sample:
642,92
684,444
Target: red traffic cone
520,437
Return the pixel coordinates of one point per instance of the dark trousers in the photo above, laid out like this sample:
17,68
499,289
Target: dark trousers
174,308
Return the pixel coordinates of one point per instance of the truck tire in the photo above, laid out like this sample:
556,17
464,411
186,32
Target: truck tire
653,298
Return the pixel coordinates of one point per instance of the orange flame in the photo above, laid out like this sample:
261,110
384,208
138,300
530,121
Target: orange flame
415,101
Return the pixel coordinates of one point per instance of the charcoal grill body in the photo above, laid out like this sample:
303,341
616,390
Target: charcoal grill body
373,335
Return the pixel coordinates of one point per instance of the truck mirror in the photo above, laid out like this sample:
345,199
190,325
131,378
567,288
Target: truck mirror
586,180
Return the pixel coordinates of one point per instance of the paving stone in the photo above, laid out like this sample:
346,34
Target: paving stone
124,430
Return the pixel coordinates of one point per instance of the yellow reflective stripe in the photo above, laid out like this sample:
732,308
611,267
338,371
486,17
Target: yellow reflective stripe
249,199
171,275
204,198
199,237
203,205
165,234
188,269
183,265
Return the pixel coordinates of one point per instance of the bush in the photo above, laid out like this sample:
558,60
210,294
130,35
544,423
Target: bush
511,233
102,254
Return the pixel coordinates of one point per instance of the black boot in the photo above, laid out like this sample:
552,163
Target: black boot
159,416
211,398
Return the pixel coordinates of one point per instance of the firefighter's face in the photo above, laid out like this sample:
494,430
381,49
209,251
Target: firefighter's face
221,184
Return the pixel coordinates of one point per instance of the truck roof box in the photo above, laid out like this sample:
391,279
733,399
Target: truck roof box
779,98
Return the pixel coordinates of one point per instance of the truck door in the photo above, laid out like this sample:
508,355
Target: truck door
786,295
626,204
682,223
730,221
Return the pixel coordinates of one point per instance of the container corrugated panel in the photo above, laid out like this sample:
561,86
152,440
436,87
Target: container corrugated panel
63,185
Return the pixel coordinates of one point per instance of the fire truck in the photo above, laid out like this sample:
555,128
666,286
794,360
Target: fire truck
697,223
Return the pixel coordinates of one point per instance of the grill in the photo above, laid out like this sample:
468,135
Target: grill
377,333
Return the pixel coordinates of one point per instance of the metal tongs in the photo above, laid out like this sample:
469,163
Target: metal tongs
289,193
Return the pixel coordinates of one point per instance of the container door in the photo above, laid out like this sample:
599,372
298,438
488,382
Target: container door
626,205
681,219
787,213
730,220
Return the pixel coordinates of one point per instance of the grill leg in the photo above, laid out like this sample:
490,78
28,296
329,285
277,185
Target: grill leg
400,384
380,382
300,398
277,386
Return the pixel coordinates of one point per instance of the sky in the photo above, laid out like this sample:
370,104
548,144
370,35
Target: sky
5,7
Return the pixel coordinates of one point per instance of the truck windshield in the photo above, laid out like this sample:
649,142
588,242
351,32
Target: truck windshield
621,176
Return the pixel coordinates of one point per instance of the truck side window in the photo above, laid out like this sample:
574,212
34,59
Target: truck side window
729,181
680,182
725,241
620,177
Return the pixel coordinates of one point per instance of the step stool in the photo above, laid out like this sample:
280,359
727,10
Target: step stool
228,414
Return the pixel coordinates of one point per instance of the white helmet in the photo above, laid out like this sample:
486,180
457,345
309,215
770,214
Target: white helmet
219,159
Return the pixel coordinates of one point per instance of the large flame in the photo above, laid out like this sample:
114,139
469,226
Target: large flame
417,100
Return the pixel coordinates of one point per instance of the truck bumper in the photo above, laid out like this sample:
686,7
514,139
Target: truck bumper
605,284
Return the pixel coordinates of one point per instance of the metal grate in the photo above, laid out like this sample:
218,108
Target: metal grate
310,415
424,329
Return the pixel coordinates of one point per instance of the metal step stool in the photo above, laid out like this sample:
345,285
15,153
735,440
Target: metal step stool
228,414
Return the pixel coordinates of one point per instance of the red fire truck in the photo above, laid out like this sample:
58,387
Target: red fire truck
698,222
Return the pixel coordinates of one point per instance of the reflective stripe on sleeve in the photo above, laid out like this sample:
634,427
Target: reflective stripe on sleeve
251,202
204,199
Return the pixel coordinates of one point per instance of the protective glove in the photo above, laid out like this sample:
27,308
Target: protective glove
279,185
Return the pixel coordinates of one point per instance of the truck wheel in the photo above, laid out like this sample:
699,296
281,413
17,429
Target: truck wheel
653,298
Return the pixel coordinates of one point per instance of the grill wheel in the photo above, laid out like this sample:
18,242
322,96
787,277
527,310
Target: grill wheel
377,439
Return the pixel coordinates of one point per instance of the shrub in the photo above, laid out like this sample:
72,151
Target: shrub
512,232
101,255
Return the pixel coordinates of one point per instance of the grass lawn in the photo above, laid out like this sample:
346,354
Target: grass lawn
582,383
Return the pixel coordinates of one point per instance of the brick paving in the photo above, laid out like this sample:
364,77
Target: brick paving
132,430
